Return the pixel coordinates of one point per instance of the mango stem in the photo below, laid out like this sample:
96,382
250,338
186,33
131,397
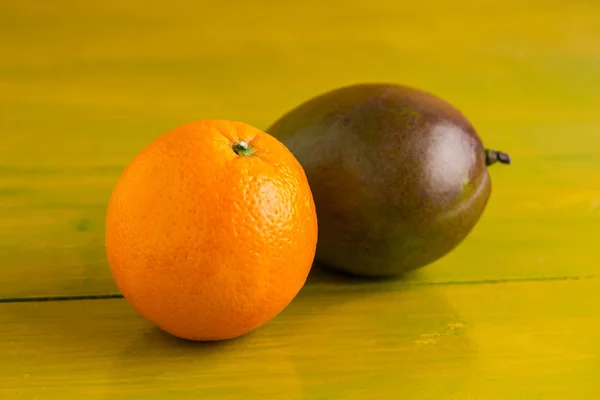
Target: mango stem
493,156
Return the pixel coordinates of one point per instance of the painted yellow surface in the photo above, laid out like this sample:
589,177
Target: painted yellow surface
521,341
85,86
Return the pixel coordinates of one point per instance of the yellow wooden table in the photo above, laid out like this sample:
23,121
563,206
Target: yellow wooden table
513,313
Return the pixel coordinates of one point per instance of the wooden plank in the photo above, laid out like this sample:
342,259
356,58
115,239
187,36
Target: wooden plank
84,88
529,340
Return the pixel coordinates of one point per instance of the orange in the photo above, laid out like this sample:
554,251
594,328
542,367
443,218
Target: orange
211,230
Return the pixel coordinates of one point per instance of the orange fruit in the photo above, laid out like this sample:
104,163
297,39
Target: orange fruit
211,230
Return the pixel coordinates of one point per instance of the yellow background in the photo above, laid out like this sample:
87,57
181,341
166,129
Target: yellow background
510,314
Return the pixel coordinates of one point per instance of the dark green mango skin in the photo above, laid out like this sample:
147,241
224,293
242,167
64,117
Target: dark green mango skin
398,175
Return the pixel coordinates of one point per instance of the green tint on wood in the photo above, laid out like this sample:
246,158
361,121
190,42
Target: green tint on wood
518,341
85,87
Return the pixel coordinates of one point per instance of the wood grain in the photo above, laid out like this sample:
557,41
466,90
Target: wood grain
530,340
85,87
